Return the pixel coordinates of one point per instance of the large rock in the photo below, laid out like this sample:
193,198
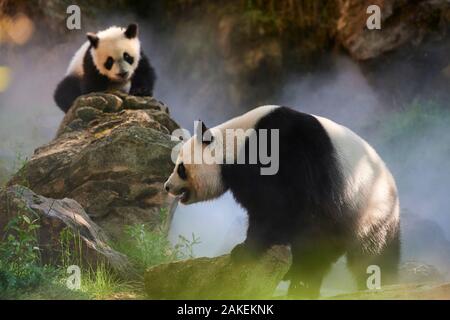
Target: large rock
111,155
89,244
403,22
218,278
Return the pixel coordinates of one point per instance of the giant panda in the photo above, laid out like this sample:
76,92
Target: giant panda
332,195
112,59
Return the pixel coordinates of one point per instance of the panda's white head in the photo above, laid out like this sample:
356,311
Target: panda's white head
116,52
195,182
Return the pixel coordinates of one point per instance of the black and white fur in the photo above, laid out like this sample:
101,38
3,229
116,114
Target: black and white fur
112,59
332,195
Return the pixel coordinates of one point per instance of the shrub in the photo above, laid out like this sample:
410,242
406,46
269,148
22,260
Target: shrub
19,254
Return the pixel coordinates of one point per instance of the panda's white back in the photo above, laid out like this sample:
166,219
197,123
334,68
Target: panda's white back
76,64
248,120
369,185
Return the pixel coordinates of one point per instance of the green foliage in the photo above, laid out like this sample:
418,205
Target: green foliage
19,254
185,247
146,247
22,275
71,248
257,17
100,282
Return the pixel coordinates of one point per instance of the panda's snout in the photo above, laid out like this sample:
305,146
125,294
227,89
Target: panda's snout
167,186
123,74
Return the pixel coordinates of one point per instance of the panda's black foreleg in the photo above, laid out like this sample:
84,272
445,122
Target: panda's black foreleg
67,91
311,260
249,250
260,237
143,79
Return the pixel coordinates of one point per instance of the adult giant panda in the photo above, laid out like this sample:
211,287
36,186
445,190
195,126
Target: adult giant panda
112,59
332,195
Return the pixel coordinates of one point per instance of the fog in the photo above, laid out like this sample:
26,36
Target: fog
29,118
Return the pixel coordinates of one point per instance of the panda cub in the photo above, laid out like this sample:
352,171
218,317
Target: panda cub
112,59
332,195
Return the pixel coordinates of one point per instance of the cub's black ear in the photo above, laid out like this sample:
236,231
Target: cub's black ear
93,39
132,31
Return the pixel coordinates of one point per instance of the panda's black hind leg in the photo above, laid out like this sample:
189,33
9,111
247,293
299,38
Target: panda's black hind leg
67,91
387,260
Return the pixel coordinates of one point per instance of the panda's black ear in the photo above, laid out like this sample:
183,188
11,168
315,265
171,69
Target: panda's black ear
132,31
200,132
204,128
93,39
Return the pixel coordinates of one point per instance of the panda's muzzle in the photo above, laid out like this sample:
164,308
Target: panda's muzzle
185,195
182,194
123,75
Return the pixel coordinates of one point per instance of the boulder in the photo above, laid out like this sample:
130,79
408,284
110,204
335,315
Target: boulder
402,22
112,154
54,217
218,278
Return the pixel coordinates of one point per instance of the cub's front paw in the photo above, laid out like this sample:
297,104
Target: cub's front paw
141,92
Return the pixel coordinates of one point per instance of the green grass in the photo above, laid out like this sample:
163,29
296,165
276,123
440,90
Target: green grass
146,247
102,283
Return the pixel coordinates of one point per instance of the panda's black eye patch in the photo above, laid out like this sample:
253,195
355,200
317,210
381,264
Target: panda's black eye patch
109,63
128,58
181,170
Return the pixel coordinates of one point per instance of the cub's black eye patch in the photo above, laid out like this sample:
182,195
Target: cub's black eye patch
128,58
109,63
181,170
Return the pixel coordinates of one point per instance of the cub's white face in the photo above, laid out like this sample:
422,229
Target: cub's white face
116,52
194,182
